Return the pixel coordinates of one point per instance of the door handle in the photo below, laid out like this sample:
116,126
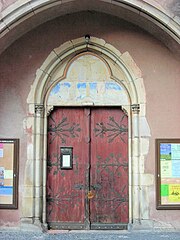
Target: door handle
90,195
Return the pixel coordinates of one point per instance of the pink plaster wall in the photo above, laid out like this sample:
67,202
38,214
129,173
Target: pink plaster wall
160,69
6,3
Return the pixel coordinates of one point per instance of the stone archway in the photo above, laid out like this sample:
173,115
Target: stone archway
153,16
124,71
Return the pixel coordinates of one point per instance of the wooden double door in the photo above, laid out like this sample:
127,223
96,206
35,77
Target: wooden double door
91,193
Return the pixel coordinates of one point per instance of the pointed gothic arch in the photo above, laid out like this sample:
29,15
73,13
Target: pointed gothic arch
122,70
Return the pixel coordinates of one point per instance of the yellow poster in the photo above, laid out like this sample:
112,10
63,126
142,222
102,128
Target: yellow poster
174,193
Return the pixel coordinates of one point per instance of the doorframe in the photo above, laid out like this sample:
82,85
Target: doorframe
34,196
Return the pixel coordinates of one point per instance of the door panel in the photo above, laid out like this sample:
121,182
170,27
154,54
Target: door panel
109,167
94,193
65,188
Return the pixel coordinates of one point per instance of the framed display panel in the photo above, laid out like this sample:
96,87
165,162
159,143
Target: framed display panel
168,173
9,154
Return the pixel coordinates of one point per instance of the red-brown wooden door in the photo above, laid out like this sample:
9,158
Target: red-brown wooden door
94,193
109,169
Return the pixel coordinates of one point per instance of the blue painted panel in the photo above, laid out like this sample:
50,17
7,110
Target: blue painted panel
93,85
114,86
81,85
55,89
66,84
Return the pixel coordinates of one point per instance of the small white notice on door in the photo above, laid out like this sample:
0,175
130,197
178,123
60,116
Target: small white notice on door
66,161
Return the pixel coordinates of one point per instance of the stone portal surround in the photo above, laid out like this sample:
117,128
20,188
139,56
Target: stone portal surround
53,70
21,10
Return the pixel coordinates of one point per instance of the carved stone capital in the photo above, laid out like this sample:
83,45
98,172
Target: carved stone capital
39,108
135,108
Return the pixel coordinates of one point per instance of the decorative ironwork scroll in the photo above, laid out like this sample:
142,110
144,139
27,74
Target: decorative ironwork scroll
110,197
63,129
113,128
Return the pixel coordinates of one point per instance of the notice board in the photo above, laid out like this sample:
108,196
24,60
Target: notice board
168,173
9,153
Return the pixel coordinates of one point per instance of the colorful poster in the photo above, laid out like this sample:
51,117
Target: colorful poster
165,151
6,190
174,193
176,168
8,167
1,176
175,151
8,174
166,169
164,190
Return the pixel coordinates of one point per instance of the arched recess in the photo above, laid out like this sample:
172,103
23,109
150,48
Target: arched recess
122,70
20,16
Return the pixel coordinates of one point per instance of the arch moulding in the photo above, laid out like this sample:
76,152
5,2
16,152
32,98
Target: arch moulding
124,71
22,12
